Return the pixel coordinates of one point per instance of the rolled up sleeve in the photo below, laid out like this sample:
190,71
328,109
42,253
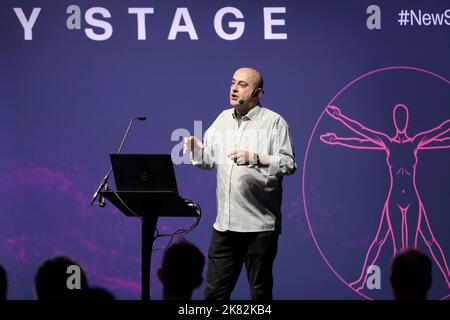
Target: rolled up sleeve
282,161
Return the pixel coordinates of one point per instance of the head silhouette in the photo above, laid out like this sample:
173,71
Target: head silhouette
3,283
52,277
181,270
411,275
401,118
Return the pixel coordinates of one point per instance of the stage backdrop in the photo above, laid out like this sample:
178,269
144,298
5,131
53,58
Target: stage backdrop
73,74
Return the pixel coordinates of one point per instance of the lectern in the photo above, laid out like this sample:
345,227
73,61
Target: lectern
148,204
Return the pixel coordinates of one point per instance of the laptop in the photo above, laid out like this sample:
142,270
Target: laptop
144,172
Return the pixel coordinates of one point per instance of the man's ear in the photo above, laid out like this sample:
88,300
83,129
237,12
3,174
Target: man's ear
260,92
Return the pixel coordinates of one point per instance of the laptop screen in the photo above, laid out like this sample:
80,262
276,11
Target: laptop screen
144,172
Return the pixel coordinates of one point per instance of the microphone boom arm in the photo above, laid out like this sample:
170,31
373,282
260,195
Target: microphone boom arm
103,186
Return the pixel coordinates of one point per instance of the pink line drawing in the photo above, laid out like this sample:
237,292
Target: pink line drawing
403,218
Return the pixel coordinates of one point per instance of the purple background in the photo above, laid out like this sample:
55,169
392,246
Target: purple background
65,101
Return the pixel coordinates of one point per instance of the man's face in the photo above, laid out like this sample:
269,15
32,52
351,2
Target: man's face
242,85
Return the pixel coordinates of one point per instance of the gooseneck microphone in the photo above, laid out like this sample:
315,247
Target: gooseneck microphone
103,186
141,118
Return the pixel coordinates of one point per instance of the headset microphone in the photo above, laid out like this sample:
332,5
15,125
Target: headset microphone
242,101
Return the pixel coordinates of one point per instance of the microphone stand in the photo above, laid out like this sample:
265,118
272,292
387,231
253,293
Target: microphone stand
103,186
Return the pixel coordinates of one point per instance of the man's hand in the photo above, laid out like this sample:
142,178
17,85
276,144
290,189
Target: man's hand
192,144
241,157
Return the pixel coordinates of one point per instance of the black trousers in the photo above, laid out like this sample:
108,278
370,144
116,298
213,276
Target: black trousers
227,253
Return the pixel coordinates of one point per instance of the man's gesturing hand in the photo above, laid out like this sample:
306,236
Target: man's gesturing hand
192,144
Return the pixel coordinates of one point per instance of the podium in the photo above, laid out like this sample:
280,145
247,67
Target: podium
149,205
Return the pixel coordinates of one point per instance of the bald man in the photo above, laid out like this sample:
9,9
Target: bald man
251,148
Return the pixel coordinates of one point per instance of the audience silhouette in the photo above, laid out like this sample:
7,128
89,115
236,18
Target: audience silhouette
181,273
51,280
181,270
411,275
3,283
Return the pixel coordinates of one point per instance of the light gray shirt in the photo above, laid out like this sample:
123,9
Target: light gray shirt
248,196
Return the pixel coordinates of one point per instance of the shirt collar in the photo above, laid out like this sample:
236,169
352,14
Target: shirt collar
251,115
